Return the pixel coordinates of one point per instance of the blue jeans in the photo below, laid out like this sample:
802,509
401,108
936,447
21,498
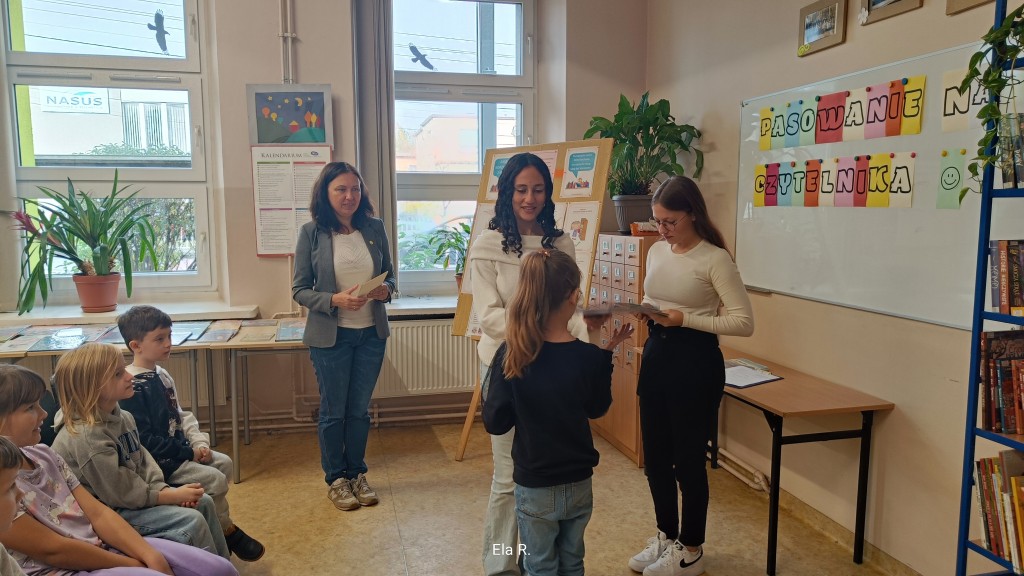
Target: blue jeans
551,525
197,526
346,374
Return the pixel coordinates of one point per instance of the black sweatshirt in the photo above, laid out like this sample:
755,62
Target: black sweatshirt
568,383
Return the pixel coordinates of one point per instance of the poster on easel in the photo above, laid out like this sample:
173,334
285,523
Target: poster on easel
282,183
579,174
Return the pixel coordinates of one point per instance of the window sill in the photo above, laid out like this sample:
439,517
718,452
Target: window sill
421,305
178,311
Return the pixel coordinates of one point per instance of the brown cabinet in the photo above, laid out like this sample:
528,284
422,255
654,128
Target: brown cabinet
620,265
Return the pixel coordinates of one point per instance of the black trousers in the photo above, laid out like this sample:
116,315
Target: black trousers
682,379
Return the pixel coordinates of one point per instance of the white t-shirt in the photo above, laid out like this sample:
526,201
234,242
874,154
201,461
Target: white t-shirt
704,284
352,265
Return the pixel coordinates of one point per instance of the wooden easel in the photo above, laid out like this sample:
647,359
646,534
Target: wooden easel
474,403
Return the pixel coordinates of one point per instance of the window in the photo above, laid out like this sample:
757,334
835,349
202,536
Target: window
108,84
463,85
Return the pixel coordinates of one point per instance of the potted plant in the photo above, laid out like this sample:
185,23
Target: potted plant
647,145
993,69
450,246
94,234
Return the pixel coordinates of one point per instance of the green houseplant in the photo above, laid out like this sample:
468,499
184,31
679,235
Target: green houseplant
91,233
450,246
647,145
992,68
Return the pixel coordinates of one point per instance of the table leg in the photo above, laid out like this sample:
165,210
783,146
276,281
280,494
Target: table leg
234,417
773,491
862,486
245,399
193,356
211,398
470,416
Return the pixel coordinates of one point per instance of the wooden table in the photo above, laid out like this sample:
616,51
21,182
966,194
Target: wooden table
799,395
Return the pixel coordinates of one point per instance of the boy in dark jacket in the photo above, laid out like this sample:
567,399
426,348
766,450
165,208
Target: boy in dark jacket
171,434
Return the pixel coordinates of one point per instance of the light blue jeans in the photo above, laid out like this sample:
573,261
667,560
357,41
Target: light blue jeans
197,526
346,374
551,525
501,534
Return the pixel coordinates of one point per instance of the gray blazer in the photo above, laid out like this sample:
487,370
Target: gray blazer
313,281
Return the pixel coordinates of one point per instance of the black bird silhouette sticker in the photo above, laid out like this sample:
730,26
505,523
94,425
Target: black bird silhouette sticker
161,34
420,57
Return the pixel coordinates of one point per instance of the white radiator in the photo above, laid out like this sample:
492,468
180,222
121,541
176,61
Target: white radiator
423,357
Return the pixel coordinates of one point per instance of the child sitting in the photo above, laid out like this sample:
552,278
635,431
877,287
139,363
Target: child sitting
100,443
60,528
10,499
171,434
548,385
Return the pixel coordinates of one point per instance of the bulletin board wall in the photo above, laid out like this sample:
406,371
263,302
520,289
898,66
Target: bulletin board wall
912,257
579,174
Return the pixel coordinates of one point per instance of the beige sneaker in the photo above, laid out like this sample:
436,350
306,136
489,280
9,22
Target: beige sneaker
364,494
341,494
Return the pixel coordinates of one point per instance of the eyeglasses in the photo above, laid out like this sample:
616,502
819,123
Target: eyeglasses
668,224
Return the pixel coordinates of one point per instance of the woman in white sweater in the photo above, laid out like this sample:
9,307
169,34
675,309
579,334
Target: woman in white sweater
524,221
692,277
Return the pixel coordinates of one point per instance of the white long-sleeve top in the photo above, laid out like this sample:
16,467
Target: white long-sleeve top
494,277
704,284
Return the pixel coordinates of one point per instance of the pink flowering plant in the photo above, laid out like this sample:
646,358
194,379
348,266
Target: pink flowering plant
94,234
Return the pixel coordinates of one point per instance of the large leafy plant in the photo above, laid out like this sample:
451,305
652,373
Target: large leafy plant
450,246
647,144
91,233
993,68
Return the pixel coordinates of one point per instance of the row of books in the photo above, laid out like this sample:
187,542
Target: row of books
1006,263
1001,376
1000,489
57,338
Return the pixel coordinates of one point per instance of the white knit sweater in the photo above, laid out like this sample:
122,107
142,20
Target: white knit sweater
494,277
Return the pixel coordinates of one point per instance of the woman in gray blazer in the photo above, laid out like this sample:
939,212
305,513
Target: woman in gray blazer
341,248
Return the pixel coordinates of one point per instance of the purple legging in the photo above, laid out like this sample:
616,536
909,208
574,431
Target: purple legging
184,560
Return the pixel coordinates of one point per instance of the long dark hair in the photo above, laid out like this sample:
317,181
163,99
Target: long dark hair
504,219
546,280
320,204
680,194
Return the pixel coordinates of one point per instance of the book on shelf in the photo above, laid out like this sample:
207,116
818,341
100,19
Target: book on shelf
195,329
68,338
986,531
291,329
996,396
1006,276
8,332
221,331
259,322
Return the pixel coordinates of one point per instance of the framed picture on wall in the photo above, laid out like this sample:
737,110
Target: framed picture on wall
290,114
822,25
954,6
872,11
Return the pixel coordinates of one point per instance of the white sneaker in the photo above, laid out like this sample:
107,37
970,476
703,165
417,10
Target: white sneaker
655,546
676,560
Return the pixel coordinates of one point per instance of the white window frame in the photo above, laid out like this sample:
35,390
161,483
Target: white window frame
472,88
105,78
191,62
143,283
46,69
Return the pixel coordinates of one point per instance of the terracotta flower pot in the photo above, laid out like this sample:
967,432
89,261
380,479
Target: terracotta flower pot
97,293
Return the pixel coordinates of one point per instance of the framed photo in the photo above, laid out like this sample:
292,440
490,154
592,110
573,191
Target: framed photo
872,11
954,6
290,114
822,25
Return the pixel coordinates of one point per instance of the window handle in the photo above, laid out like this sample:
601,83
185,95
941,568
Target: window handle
193,26
529,44
197,132
202,244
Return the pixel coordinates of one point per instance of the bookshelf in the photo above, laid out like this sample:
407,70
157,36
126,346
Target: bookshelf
973,433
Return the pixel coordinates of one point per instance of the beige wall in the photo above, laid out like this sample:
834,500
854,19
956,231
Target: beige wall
706,57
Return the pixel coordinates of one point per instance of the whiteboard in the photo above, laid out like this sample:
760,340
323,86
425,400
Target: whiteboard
915,262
